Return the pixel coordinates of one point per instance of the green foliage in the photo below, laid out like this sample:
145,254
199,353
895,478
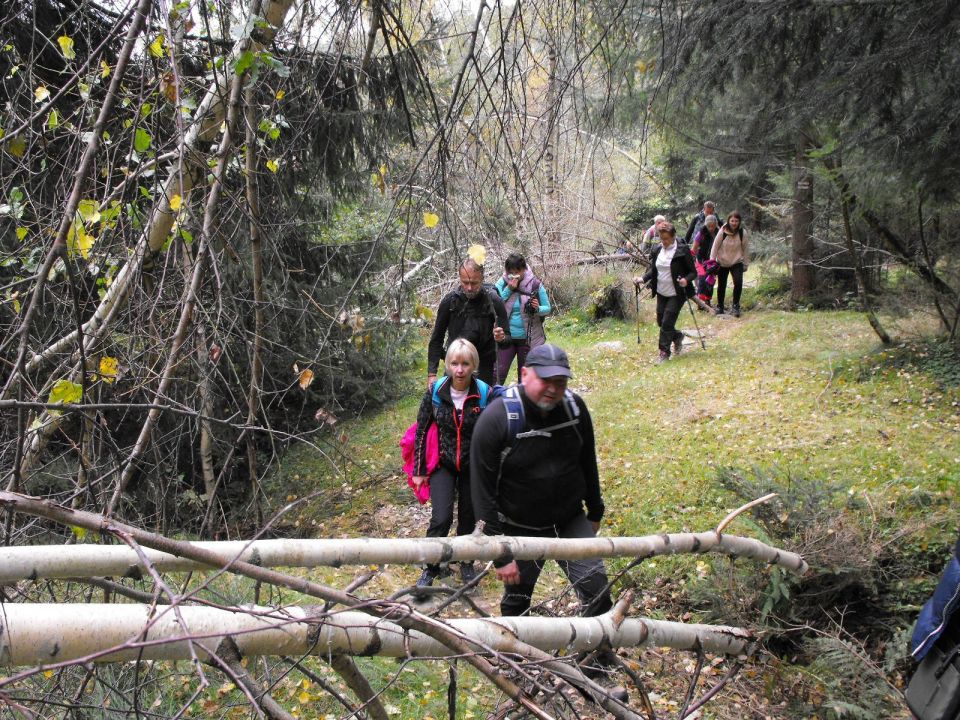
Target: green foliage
853,687
935,358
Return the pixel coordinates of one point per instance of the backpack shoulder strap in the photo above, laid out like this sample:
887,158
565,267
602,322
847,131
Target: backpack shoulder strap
513,405
484,392
436,388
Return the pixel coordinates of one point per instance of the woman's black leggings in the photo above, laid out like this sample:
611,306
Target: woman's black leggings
736,272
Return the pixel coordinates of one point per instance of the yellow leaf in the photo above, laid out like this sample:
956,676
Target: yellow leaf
66,46
383,170
108,368
18,146
21,233
104,69
305,378
89,211
175,202
65,391
273,165
80,532
79,241
281,94
304,698
41,93
306,683
156,47
477,253
430,219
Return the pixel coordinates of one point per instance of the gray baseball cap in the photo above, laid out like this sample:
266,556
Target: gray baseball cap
548,361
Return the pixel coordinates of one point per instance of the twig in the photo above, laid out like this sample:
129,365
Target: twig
707,696
729,518
693,683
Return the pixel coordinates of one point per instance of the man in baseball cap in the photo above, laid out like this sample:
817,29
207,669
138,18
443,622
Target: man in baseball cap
547,483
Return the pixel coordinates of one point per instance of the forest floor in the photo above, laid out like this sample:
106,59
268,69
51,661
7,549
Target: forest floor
776,400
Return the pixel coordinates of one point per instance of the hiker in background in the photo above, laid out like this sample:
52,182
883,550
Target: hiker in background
698,221
539,486
454,403
473,312
732,253
670,278
526,303
706,270
651,236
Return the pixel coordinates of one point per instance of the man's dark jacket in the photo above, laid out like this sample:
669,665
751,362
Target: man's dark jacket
544,481
681,265
698,220
473,320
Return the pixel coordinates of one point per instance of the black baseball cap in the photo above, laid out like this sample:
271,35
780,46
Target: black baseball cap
548,361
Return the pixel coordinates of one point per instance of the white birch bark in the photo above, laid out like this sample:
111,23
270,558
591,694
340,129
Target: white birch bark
46,633
48,561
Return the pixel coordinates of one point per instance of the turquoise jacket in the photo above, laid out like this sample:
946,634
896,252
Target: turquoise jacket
518,329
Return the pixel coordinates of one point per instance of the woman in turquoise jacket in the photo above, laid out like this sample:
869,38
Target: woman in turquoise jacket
527,303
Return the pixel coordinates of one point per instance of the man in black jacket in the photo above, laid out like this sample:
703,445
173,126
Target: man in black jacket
472,312
540,488
698,220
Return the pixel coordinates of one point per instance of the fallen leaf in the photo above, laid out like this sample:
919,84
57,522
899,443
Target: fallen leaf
305,378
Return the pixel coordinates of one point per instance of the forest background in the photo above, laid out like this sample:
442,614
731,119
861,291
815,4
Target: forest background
223,226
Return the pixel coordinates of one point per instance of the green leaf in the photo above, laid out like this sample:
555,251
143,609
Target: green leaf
142,140
64,391
53,120
244,62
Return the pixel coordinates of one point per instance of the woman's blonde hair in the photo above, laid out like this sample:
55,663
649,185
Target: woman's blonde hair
460,348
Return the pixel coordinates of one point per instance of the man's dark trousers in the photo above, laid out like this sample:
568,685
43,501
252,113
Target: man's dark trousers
588,577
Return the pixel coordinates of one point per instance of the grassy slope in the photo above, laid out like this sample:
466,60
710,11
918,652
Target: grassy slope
796,391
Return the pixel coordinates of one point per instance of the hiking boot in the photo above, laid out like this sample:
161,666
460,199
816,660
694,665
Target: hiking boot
720,310
735,311
663,357
468,572
678,345
426,580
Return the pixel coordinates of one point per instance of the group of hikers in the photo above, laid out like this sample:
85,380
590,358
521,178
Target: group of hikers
522,458
720,250
519,458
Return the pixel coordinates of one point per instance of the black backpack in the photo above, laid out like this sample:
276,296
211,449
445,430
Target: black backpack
474,316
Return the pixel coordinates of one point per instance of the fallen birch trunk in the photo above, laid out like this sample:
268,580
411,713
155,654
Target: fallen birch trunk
55,561
47,633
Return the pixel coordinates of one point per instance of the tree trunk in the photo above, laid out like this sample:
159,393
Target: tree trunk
48,561
855,257
44,633
803,269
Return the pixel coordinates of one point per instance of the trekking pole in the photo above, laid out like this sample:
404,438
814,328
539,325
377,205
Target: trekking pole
636,297
703,344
